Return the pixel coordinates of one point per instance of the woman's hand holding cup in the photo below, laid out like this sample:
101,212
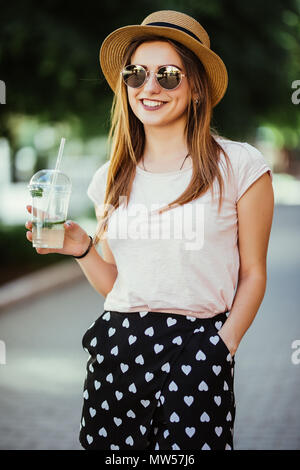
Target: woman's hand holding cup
76,240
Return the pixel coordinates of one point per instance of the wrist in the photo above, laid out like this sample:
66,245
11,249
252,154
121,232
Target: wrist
87,249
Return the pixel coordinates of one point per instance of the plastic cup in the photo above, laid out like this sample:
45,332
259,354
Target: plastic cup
50,202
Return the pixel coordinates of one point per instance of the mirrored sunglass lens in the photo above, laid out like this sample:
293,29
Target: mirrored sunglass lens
169,77
134,76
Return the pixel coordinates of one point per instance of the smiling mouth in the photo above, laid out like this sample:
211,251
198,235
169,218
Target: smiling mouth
152,104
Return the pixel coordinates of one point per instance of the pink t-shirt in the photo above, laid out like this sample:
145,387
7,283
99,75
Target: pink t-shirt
186,260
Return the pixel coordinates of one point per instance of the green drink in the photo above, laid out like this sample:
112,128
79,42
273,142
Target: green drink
50,191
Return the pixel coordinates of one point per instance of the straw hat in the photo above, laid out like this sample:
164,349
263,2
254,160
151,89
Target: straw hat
172,25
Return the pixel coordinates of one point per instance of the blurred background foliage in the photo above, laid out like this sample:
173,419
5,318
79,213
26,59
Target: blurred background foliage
49,61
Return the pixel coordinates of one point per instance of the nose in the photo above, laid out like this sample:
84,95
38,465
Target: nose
151,84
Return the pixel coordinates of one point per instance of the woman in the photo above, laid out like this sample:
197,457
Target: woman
184,224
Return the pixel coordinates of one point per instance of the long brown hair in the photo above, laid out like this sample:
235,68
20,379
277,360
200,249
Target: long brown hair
127,140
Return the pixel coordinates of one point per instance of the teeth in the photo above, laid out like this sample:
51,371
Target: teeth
152,104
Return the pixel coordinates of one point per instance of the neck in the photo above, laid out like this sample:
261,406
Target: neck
164,144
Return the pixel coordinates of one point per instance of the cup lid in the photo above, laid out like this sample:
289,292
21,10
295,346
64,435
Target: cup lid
49,177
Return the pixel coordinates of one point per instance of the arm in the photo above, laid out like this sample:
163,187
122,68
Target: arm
255,213
101,272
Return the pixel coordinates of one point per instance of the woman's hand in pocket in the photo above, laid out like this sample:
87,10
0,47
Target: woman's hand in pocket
228,340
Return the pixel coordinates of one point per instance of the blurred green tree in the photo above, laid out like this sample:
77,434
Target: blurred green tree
49,59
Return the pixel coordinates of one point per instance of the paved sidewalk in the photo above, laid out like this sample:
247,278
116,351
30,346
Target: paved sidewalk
41,384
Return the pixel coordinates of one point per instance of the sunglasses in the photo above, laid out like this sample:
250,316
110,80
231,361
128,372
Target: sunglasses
168,77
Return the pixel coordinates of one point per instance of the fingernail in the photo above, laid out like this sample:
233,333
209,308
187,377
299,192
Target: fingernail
69,223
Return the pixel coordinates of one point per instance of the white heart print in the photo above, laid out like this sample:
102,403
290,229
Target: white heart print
217,400
203,387
124,367
106,316
171,321
199,330
143,314
109,378
190,431
149,331
174,418
175,447
130,414
132,388
148,376
129,441
188,399
102,432
117,421
100,358
158,348
191,318
177,340
214,339
111,331
205,447
114,351
139,359
145,403
132,339
204,417
173,386
217,369
166,367
200,356
186,369
119,395
143,429
97,384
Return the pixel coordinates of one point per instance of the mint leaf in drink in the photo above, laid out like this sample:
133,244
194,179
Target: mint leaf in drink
47,224
37,192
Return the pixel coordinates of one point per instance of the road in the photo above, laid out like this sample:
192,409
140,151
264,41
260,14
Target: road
41,383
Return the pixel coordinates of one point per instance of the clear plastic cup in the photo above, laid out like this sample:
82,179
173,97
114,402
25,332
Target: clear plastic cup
50,191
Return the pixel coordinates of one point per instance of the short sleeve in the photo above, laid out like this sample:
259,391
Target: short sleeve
252,165
97,186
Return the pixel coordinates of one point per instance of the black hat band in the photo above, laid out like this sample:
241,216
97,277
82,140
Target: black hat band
175,26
